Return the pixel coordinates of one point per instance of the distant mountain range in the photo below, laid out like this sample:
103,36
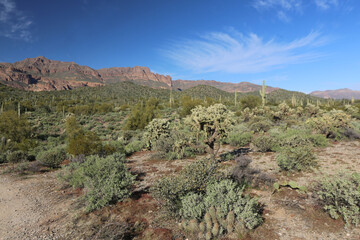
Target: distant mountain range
344,93
42,74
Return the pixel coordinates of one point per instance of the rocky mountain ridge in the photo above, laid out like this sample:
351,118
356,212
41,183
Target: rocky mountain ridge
42,74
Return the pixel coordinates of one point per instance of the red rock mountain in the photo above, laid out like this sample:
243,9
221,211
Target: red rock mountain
344,93
115,74
38,74
42,74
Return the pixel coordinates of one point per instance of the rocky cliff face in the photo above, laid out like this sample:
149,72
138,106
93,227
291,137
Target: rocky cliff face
42,74
39,74
116,74
344,93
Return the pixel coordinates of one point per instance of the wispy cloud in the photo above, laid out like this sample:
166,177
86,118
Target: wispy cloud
326,4
281,7
13,23
239,53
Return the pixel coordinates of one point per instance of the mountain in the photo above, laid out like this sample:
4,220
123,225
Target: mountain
117,74
344,93
42,74
225,86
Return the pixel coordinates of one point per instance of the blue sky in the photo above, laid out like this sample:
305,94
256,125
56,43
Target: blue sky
301,45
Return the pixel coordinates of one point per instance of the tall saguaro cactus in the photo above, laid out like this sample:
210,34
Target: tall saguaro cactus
263,93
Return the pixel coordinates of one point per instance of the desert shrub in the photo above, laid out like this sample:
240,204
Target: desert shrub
239,136
193,178
81,141
245,175
3,158
227,196
340,196
250,101
15,128
106,179
260,124
142,114
264,143
134,146
193,206
53,157
295,158
16,156
292,137
178,144
187,104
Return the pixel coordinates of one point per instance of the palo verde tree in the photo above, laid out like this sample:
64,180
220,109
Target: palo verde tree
211,124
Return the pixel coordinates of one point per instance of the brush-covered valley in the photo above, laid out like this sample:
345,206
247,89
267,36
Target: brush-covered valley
125,161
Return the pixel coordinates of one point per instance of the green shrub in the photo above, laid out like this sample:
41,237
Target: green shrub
3,158
193,206
292,137
295,158
16,156
53,157
106,179
340,196
193,178
264,143
134,146
239,136
260,124
227,196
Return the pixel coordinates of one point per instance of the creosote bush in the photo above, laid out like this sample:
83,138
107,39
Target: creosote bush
264,142
296,158
340,196
53,157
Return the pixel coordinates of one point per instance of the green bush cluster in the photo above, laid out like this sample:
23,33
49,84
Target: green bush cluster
193,178
220,199
264,142
340,196
16,156
53,157
296,158
239,136
106,179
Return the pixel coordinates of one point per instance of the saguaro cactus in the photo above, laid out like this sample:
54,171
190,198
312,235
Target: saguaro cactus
263,93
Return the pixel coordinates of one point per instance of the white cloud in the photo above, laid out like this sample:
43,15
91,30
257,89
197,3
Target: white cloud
281,7
326,4
238,53
13,23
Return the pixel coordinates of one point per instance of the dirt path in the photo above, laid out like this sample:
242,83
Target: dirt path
27,205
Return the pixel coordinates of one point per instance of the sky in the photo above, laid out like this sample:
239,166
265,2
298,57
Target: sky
301,45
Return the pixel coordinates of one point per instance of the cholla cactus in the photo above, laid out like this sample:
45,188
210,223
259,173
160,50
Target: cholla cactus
230,220
155,129
216,229
208,221
212,123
